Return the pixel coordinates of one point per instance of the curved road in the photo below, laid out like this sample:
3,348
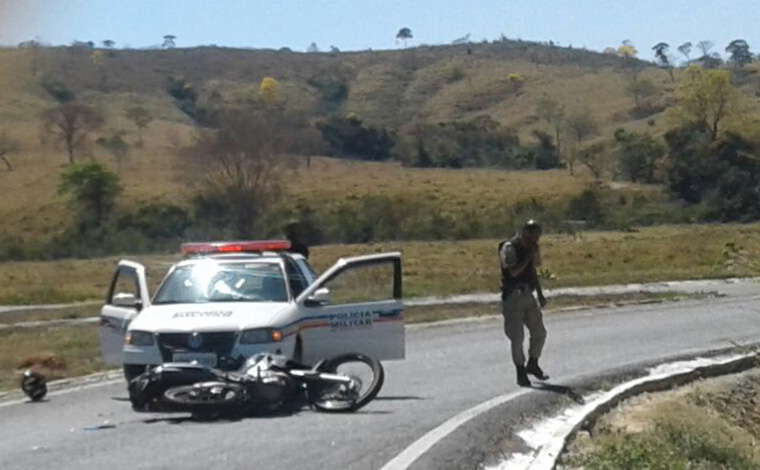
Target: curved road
450,368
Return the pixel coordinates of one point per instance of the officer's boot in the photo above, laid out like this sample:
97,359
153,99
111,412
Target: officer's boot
522,377
535,370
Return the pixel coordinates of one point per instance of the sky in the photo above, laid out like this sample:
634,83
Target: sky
364,24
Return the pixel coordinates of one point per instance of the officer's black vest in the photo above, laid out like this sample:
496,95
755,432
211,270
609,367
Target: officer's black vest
509,282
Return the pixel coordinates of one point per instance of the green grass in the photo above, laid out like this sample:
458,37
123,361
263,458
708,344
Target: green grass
448,268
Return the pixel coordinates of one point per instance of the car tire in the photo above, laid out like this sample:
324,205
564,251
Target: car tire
133,370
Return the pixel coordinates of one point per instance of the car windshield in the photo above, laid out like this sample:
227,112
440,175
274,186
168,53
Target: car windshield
224,282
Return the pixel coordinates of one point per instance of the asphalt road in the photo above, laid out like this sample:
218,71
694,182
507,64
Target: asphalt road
449,368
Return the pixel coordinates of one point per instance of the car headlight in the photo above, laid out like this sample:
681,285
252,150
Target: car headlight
260,335
139,338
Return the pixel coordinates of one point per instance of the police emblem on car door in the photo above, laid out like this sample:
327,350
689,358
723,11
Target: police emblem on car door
355,306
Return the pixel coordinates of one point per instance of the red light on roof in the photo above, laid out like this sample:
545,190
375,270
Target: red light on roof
235,247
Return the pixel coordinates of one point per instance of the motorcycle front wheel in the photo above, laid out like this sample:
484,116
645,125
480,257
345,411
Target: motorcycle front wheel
206,397
367,376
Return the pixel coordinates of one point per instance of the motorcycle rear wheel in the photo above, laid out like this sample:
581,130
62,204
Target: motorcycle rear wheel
335,397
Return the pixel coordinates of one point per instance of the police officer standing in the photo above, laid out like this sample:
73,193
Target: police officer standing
519,258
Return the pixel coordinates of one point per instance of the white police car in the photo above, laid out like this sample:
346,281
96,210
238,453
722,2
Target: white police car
228,301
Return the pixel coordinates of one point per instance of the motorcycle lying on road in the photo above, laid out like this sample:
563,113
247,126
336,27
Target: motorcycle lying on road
264,383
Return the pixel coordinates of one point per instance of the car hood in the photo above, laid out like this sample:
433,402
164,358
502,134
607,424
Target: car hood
221,316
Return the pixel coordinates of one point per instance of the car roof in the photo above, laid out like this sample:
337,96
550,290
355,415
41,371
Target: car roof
266,257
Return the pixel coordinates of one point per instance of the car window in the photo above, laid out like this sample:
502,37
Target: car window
306,270
224,282
296,279
367,283
126,283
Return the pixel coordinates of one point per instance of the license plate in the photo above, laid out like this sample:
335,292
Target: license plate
204,359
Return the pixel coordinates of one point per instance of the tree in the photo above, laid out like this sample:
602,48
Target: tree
705,47
661,53
685,49
638,156
169,41
595,158
629,52
641,90
313,48
553,113
270,91
7,146
581,125
70,124
739,51
239,166
404,34
663,59
117,147
93,190
517,82
141,118
108,44
705,100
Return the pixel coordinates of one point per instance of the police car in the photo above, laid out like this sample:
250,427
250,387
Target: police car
227,301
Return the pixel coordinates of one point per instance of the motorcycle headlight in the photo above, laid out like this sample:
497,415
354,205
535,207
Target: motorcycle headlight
139,338
260,335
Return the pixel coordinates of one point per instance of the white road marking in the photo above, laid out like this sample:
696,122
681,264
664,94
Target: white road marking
406,458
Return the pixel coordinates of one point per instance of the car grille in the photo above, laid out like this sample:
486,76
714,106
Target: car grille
220,343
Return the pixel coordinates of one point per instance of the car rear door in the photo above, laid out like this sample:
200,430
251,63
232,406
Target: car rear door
363,312
127,296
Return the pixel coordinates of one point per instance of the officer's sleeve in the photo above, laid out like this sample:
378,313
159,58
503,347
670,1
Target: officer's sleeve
537,258
508,256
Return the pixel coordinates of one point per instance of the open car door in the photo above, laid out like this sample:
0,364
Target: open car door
127,296
355,307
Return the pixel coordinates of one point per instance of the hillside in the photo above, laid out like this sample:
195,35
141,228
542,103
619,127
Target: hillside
388,88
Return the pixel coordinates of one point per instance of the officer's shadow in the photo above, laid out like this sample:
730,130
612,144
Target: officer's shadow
560,389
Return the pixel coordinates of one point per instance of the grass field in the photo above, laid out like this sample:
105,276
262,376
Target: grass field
391,88
445,268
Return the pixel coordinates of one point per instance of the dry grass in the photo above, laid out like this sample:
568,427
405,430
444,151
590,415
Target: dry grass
444,268
75,347
710,424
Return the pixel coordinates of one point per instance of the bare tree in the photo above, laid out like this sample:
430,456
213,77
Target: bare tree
685,49
553,113
705,47
141,117
117,147
240,164
595,158
581,125
70,125
7,147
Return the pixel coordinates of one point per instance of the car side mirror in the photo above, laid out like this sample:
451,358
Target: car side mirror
126,300
320,297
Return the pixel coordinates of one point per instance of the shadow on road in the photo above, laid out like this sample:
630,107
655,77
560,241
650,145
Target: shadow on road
562,390
399,398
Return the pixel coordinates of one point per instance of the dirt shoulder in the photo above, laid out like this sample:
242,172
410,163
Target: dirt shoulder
710,424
